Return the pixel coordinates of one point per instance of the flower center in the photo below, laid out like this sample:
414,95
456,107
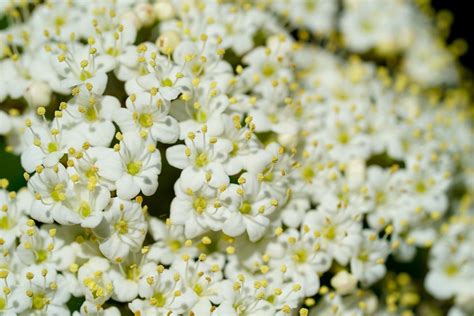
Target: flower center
300,256
268,70
158,299
420,187
4,223
133,272
174,245
167,82
39,301
91,114
235,149
52,147
201,160
200,116
267,175
310,5
363,256
366,26
380,197
344,138
57,194
271,299
451,269
200,204
85,75
145,120
92,172
229,27
330,232
97,290
198,289
246,208
134,167
122,227
85,209
41,255
2,304
308,174
59,21
113,51
196,68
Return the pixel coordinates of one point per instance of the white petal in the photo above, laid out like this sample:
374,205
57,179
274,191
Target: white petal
192,179
148,182
5,123
113,248
234,226
179,211
176,157
218,175
126,187
167,131
31,158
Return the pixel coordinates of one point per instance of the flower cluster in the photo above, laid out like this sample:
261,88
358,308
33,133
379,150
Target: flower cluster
304,170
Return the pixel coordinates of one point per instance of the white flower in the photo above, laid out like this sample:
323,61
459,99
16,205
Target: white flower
91,116
302,258
201,159
170,242
266,64
203,278
161,74
426,56
344,282
126,275
245,145
240,299
13,218
205,109
337,232
235,27
47,144
198,210
38,94
149,113
368,265
251,208
52,189
95,166
89,204
80,67
44,292
40,247
126,229
271,167
201,60
451,267
163,292
91,309
338,305
141,165
94,280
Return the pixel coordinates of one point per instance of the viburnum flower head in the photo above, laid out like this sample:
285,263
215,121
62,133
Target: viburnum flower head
310,147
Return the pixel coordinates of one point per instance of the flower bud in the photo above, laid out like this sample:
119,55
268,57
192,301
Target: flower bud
132,18
344,282
164,10
38,94
145,13
168,41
